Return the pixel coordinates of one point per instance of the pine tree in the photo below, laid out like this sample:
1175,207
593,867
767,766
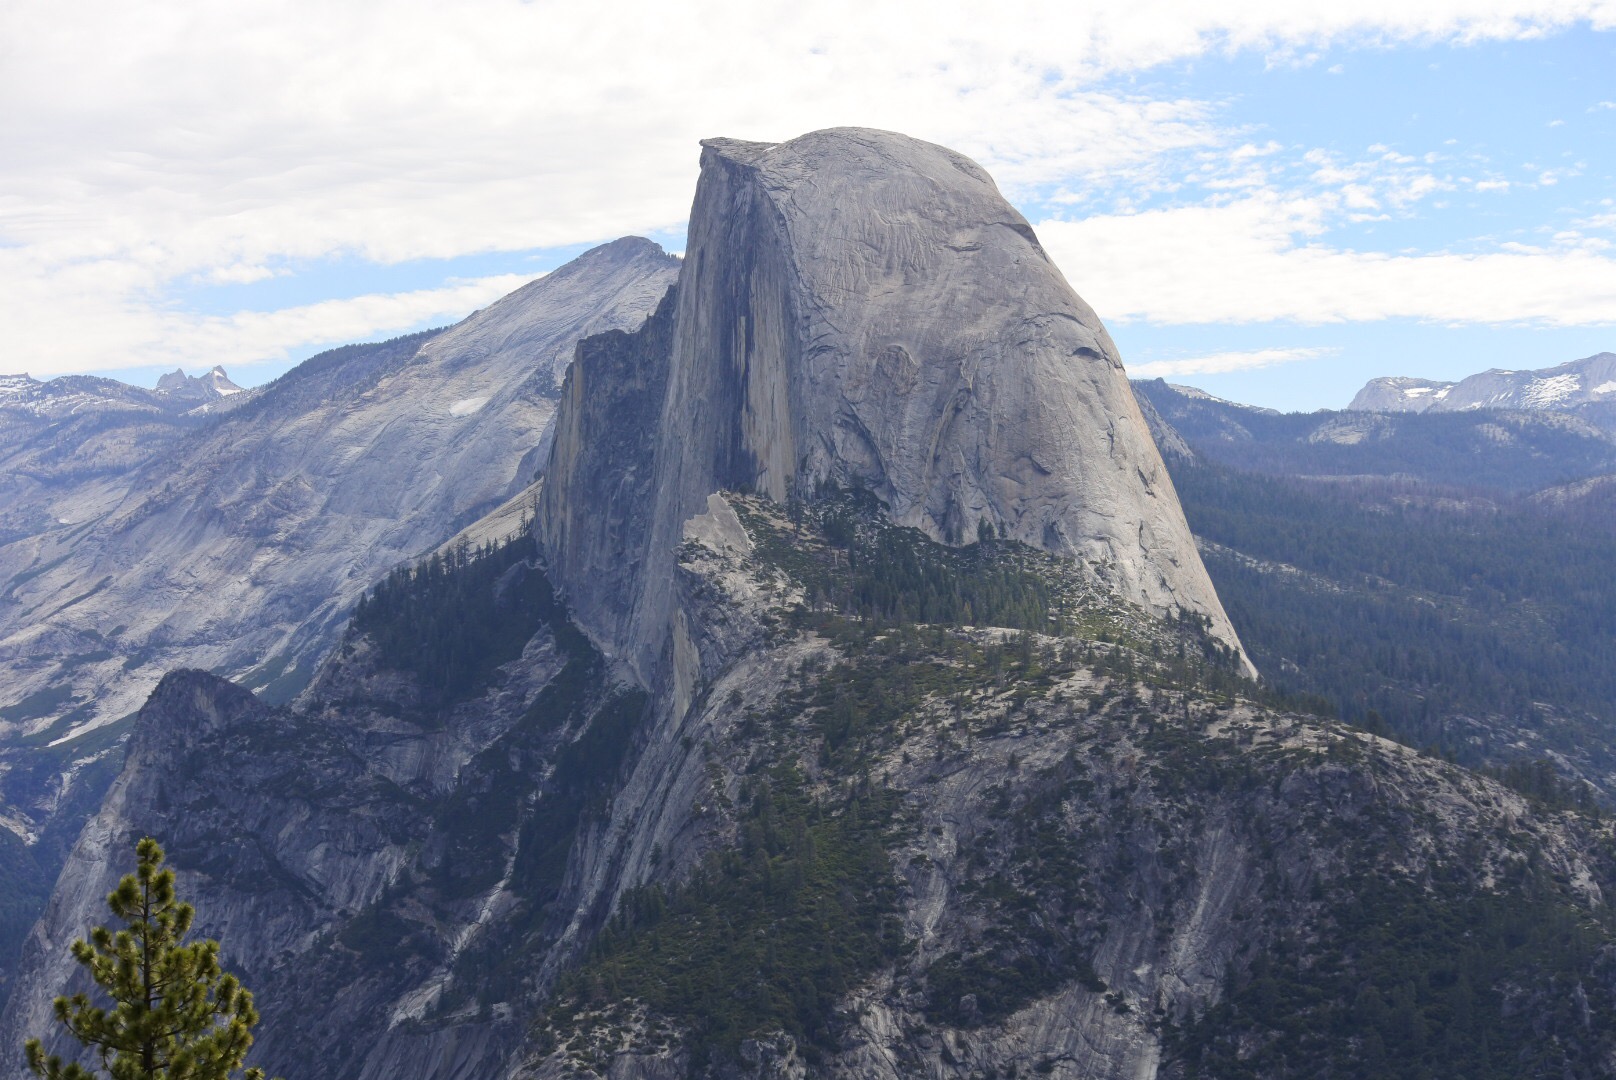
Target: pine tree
176,1015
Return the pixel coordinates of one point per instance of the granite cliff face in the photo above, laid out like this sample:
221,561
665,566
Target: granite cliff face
863,309
241,547
140,532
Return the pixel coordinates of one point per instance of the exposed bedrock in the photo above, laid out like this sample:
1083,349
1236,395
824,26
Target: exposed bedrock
864,308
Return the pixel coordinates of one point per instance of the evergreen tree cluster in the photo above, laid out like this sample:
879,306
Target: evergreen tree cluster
1422,610
904,577
864,567
769,935
454,618
1419,983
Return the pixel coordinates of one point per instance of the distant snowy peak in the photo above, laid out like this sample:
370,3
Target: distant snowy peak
71,395
16,388
197,388
174,380
221,382
70,398
1400,394
1590,380
77,395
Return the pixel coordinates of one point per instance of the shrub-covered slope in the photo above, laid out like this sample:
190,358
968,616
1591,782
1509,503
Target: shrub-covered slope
957,851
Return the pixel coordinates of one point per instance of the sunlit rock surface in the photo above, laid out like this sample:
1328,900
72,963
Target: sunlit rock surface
862,308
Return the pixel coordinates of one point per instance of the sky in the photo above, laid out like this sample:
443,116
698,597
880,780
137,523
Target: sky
1274,201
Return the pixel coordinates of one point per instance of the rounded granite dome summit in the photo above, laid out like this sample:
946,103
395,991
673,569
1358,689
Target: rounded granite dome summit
863,307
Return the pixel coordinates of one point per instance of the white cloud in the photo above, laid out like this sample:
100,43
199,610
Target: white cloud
249,334
146,146
238,274
1252,150
1223,363
1387,177
146,337
1259,259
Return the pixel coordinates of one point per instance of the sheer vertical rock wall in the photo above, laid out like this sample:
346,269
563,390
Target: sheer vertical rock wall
862,308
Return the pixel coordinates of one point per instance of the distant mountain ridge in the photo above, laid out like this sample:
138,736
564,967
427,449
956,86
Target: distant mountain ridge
1367,557
212,545
82,431
175,392
1514,450
181,387
1589,381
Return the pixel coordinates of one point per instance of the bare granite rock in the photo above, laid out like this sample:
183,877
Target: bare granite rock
1571,386
862,308
243,545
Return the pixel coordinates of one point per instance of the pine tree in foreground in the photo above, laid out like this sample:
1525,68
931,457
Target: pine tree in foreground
175,1015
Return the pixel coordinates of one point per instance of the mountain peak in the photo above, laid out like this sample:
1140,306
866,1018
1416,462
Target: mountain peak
220,382
1399,394
1572,385
180,386
861,308
174,380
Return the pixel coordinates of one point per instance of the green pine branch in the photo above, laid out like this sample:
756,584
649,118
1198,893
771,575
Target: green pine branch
175,1013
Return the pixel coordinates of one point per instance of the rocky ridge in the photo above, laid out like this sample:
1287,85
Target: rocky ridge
178,386
241,547
238,538
1496,449
1568,386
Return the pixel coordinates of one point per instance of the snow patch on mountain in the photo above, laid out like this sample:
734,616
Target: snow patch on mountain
1198,394
1399,394
1564,387
1547,393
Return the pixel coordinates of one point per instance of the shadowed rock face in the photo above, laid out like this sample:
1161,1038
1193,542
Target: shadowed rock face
863,308
593,519
141,531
